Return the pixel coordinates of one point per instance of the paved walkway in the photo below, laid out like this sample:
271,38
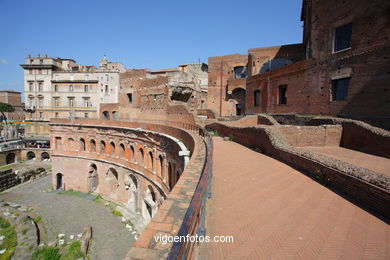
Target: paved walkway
368,161
68,214
275,212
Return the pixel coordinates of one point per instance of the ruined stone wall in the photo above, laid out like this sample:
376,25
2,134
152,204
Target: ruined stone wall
324,135
220,71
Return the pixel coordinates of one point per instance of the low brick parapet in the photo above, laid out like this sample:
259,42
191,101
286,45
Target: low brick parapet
171,213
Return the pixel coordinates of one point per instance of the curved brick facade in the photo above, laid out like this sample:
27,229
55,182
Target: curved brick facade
131,164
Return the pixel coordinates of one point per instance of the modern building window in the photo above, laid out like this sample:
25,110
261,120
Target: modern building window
71,102
282,94
342,37
56,102
85,88
86,102
240,72
70,88
257,98
31,101
130,97
340,89
40,101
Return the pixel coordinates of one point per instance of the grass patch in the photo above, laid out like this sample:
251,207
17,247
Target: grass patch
46,253
70,192
116,213
215,133
98,199
10,241
73,251
79,194
37,219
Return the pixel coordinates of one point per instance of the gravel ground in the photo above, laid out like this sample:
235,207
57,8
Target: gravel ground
68,214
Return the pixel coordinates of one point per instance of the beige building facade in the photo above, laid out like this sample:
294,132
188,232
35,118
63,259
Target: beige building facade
61,88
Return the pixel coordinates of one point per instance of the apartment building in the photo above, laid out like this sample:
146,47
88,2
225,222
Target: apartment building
61,88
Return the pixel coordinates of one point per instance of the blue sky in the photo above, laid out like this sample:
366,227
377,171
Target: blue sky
141,34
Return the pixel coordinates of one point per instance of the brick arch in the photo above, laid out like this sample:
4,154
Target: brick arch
161,167
102,146
92,145
121,150
141,155
132,153
70,143
82,144
150,160
113,148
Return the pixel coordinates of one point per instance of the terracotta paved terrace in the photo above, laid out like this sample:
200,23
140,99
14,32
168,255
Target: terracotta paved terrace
276,212
368,161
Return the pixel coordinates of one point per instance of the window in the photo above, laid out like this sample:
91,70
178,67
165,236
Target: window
240,72
55,88
40,115
340,89
40,86
282,95
40,71
342,37
56,77
31,101
86,77
86,102
257,96
30,71
85,88
56,101
41,61
71,102
106,89
31,86
56,115
130,97
70,88
40,101
71,77
106,77
86,115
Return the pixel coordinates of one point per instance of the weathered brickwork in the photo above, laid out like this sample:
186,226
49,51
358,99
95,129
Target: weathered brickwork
302,78
369,188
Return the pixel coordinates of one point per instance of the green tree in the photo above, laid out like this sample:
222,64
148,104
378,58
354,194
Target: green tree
5,107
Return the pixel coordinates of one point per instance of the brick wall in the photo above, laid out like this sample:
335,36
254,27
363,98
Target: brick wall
367,188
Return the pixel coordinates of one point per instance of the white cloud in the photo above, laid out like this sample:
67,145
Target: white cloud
3,61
